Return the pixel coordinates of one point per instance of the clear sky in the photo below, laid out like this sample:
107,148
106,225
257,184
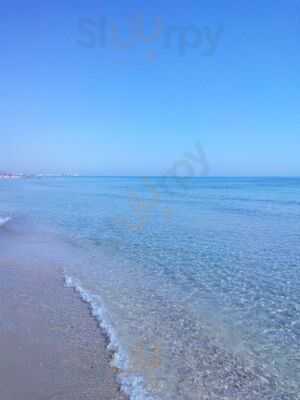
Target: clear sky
84,90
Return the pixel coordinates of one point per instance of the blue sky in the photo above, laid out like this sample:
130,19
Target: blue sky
83,91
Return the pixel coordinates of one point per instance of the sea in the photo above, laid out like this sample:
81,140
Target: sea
194,281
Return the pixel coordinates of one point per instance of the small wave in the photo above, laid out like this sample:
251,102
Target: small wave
132,385
4,220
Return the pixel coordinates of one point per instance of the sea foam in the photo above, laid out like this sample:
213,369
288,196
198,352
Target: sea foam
132,385
4,220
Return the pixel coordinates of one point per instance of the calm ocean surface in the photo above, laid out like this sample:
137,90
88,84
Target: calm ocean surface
196,281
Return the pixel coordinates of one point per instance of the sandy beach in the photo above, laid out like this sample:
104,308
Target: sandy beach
50,346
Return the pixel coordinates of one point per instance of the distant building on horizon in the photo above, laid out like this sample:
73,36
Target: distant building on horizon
10,175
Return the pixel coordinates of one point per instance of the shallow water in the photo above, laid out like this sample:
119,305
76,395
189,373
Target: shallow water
197,281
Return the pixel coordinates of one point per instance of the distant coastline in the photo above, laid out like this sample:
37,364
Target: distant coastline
6,175
10,175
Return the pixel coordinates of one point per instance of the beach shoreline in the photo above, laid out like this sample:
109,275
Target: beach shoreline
182,313
51,347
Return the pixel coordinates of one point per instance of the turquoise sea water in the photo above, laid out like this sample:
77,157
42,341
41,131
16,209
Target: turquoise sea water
195,280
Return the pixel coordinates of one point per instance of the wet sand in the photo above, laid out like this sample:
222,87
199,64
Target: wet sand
50,346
